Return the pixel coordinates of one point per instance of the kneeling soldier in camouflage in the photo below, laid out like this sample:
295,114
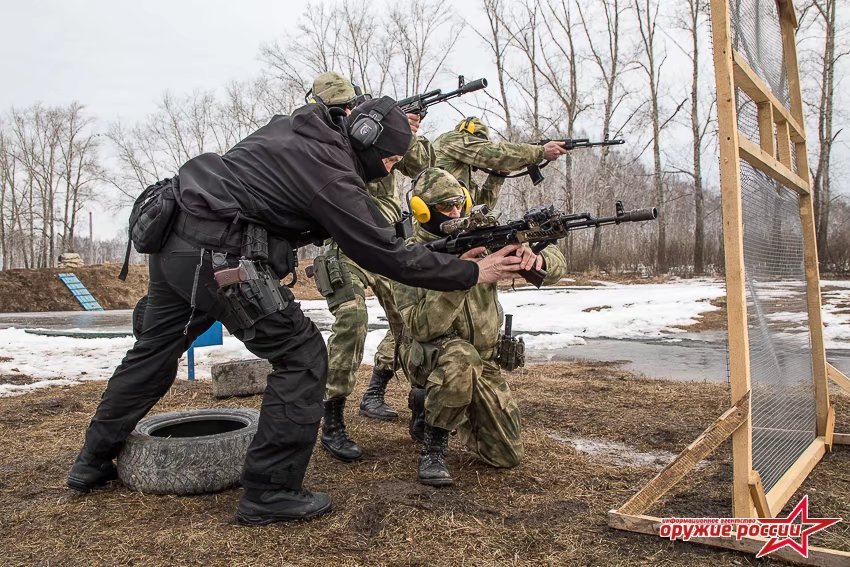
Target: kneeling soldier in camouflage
450,345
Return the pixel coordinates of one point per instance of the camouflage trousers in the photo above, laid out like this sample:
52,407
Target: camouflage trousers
468,392
350,326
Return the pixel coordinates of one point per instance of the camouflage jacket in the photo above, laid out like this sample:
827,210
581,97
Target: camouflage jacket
419,156
474,315
458,152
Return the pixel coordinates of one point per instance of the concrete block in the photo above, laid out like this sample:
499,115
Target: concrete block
239,377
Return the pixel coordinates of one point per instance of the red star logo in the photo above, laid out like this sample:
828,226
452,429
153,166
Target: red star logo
801,510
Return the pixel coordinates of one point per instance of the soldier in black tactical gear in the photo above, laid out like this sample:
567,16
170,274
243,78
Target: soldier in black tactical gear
298,179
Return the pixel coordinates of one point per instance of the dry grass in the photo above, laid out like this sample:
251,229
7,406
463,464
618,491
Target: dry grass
550,510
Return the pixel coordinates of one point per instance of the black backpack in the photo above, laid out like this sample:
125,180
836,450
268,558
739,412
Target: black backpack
151,220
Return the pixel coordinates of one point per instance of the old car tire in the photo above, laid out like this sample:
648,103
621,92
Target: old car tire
188,452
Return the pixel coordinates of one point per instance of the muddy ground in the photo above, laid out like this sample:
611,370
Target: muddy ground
550,510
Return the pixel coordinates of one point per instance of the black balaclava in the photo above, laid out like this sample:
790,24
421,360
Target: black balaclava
437,218
393,141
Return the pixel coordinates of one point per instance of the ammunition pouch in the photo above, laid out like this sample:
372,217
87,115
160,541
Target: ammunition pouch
510,353
249,292
419,360
333,280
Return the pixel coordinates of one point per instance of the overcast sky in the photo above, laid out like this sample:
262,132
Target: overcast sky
117,57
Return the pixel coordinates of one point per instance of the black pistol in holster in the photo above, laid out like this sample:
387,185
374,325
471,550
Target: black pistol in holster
249,289
510,353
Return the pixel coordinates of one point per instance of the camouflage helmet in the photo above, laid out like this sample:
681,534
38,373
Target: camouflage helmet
435,185
331,88
474,126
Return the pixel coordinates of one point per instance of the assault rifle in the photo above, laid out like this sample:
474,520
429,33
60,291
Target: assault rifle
533,170
418,104
539,227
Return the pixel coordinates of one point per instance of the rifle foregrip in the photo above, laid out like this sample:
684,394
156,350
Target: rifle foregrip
534,277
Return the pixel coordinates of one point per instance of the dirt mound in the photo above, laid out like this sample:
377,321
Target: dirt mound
41,290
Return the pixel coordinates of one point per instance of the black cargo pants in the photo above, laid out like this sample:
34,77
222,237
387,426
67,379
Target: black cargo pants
292,403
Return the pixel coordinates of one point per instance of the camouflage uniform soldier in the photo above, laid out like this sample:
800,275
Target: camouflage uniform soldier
348,306
449,348
469,146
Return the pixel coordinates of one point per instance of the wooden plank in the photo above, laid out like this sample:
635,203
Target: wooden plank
838,377
771,167
788,30
755,88
702,447
786,10
767,138
841,438
818,556
757,494
828,438
813,306
785,488
783,144
733,249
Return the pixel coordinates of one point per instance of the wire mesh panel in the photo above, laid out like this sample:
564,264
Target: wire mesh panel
783,394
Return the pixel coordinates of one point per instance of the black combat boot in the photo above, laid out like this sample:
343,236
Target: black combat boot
334,436
89,472
432,459
260,507
373,405
416,403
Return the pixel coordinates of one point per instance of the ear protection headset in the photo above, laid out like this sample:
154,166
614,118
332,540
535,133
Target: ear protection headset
467,125
419,208
366,129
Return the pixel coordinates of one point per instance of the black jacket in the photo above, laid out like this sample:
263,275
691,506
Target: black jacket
298,174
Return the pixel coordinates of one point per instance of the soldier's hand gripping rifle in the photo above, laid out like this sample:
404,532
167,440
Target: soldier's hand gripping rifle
418,104
533,170
538,227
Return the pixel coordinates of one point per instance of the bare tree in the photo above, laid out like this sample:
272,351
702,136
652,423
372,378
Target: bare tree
647,18
496,40
80,168
823,21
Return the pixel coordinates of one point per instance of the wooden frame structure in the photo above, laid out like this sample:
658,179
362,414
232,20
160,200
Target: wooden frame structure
780,130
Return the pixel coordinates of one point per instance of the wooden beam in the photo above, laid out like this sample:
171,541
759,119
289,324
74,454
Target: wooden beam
755,88
757,494
813,307
733,250
702,447
838,377
786,10
829,437
841,438
783,144
771,167
650,525
785,488
767,137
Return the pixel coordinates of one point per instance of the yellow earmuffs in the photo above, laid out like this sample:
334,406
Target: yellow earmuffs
419,208
467,126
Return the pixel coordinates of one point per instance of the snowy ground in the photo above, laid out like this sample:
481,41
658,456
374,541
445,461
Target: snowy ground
552,318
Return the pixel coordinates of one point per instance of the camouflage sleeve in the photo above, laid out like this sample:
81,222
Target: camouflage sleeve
556,264
419,156
489,192
499,156
427,315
